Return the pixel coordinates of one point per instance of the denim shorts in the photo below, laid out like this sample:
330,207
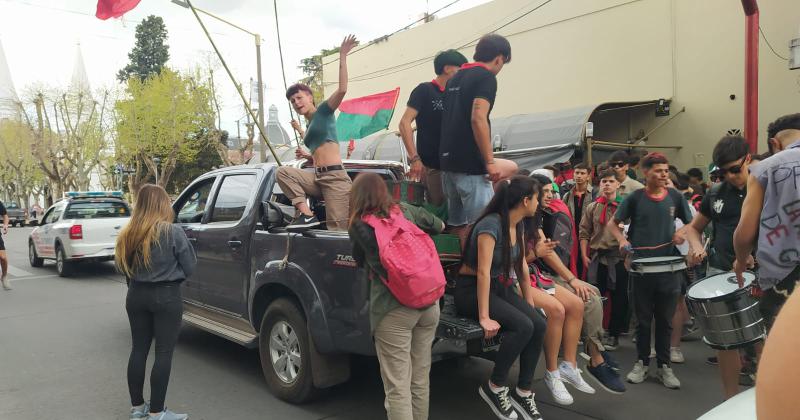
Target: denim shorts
467,196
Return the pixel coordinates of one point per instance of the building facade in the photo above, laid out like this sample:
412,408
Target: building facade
586,53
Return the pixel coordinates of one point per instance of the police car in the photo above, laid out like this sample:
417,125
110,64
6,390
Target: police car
81,227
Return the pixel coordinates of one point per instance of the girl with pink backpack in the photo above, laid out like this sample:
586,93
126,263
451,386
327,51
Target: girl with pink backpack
406,282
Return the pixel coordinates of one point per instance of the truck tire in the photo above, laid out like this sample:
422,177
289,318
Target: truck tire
63,266
33,257
283,346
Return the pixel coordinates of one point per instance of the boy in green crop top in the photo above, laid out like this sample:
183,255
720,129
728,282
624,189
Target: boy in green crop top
329,180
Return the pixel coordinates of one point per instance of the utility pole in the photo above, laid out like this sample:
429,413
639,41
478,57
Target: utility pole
263,148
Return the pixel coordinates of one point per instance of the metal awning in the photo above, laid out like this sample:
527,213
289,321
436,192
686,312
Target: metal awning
531,140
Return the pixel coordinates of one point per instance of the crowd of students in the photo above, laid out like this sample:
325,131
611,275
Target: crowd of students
543,250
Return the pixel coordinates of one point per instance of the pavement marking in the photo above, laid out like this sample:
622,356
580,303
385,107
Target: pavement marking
15,279
18,272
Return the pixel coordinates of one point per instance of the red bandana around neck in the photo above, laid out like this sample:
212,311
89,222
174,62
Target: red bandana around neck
471,65
606,202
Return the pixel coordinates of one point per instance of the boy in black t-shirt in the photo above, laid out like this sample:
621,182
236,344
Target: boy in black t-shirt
652,212
722,205
467,161
425,106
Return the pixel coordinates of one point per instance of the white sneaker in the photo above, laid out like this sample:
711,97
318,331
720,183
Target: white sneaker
676,355
639,372
6,282
572,376
557,388
668,378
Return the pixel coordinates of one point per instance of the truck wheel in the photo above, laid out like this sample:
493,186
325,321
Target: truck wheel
63,266
33,257
284,349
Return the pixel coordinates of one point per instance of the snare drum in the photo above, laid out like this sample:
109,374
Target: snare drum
728,315
658,265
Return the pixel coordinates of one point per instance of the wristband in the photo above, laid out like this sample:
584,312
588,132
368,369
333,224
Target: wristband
413,159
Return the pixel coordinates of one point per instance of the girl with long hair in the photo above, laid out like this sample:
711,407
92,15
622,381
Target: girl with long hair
403,336
484,290
155,256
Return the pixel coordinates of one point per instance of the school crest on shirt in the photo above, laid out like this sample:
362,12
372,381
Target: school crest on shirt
438,104
718,206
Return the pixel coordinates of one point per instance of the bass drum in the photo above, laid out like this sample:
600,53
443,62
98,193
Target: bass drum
728,314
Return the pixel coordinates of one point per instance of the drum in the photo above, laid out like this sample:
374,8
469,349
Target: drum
658,265
728,315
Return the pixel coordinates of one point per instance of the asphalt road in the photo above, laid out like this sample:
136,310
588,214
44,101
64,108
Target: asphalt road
64,345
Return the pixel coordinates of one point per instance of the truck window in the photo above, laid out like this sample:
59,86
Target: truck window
192,209
234,194
96,210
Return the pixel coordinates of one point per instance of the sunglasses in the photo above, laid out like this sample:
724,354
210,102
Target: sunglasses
735,169
617,164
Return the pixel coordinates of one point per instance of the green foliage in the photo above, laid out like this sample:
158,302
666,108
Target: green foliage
167,117
312,68
150,53
19,171
207,158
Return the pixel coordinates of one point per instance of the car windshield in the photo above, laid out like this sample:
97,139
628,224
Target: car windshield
97,210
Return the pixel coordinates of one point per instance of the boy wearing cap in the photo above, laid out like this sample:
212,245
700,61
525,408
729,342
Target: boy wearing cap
425,106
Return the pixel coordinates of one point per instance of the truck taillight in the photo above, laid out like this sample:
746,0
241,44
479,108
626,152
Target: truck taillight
76,232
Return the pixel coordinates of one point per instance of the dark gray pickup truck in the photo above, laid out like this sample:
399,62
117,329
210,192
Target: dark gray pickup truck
297,297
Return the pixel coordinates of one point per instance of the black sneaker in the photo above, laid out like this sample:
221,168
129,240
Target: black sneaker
303,222
526,406
610,360
500,402
607,378
712,360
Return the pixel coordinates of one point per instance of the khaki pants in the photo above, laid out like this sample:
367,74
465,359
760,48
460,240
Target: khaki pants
403,340
333,187
433,182
592,315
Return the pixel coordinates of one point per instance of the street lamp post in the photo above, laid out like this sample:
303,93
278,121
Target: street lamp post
257,37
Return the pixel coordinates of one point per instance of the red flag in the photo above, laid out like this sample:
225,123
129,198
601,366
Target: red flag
114,8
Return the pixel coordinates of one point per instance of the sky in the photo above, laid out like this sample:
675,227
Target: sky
40,39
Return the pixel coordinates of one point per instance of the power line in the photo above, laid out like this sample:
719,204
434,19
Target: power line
384,37
770,45
420,61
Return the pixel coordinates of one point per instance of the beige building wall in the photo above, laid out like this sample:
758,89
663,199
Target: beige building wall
581,52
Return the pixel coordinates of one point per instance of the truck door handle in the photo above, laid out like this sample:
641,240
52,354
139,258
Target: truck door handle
235,244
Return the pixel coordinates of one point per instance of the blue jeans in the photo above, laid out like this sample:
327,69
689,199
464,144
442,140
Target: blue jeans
467,196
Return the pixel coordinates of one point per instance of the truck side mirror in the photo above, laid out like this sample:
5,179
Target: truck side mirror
274,215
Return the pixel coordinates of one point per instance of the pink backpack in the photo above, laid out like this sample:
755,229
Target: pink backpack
416,277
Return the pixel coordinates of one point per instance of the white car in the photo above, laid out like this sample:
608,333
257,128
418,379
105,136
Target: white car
82,227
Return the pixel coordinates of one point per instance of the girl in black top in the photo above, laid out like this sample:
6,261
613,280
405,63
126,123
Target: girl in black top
485,291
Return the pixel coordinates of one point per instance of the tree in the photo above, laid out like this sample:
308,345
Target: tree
167,117
150,53
312,68
207,158
19,172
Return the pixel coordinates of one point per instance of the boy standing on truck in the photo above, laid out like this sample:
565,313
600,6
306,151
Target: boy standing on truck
425,106
466,157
